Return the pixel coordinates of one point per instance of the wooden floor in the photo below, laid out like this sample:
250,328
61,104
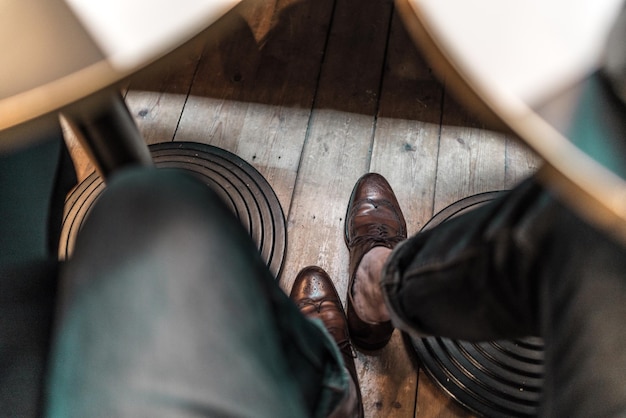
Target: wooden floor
315,93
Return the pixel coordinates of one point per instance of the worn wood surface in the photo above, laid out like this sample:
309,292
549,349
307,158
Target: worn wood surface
315,93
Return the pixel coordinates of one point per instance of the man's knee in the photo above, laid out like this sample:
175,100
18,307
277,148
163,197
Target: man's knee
153,196
151,210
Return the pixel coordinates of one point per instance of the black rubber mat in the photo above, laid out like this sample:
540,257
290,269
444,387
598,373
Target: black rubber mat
492,379
240,185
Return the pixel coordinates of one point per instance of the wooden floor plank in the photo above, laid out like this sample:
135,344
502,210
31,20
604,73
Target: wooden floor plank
433,402
471,159
336,153
339,138
405,152
156,96
521,162
407,130
254,88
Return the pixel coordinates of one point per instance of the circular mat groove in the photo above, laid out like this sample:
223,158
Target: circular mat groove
243,189
492,379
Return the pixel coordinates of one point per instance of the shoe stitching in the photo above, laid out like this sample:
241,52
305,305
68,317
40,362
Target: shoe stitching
378,233
317,303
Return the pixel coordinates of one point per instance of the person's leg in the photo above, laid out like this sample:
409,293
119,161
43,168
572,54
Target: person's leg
33,184
521,265
27,302
473,277
583,309
34,180
169,311
469,278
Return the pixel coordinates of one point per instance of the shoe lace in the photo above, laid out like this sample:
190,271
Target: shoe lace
317,304
378,233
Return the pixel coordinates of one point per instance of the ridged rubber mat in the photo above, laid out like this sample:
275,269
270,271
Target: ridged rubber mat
492,379
241,186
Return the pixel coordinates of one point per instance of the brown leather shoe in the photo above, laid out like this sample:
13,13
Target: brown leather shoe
373,219
316,297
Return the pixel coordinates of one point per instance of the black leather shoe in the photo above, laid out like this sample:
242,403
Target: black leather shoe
373,219
316,297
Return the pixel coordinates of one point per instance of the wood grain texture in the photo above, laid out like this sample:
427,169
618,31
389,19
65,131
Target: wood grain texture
433,402
339,137
157,95
471,159
254,88
520,163
406,144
